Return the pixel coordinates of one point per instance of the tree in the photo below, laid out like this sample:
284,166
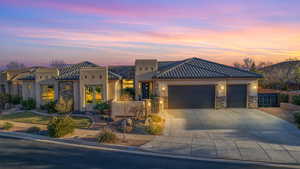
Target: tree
15,65
248,64
57,63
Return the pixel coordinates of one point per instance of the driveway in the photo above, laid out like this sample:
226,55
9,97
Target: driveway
244,134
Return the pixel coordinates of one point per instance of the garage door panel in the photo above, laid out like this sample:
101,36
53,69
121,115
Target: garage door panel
199,96
237,96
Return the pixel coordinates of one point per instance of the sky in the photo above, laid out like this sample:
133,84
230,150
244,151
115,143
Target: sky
116,32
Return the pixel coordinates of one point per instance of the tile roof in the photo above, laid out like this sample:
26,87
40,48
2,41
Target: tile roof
71,72
195,68
127,72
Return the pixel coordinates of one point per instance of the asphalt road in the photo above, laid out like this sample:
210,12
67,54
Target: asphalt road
24,154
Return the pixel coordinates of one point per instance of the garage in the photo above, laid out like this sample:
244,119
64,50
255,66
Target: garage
237,96
191,96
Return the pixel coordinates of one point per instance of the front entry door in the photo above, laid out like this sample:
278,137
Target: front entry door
145,90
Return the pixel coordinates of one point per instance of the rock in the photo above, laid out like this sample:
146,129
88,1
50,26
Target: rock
127,125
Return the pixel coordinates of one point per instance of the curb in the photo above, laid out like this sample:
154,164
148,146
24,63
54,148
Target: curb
135,150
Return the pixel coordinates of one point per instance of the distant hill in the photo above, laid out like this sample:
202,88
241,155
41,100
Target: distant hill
282,75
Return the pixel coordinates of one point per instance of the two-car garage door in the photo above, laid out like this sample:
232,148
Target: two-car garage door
203,96
197,96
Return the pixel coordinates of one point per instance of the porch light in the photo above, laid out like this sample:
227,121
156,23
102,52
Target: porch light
222,87
149,104
254,87
161,102
163,88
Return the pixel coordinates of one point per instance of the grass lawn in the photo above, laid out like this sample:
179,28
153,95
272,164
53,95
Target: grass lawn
29,117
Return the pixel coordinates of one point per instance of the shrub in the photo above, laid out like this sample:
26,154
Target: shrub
28,104
296,100
155,118
7,126
283,98
102,106
297,118
107,136
33,129
4,98
154,128
50,107
60,126
15,100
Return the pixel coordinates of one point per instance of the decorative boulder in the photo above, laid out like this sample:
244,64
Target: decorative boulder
127,125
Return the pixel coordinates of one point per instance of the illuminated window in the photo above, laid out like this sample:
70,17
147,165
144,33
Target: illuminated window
89,94
128,84
98,94
48,93
93,94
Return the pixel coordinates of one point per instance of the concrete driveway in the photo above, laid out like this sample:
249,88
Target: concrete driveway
244,134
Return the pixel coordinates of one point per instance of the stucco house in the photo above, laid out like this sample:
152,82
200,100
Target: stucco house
189,83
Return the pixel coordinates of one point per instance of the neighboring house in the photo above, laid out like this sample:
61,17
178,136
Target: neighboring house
189,83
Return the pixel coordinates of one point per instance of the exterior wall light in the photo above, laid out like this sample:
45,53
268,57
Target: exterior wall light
222,87
161,102
149,104
163,88
254,87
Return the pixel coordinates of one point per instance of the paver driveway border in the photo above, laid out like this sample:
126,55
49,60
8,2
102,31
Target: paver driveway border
221,134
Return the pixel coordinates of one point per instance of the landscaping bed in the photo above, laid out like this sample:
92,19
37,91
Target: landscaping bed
29,117
280,113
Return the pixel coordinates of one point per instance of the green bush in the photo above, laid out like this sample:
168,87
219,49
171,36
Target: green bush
102,106
154,128
60,126
107,136
28,104
155,118
296,100
4,98
283,98
50,107
7,126
297,118
15,100
33,129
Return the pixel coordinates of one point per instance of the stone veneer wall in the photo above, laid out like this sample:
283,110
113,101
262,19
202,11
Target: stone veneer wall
220,102
252,102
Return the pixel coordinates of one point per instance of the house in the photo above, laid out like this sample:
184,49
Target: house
189,83
196,83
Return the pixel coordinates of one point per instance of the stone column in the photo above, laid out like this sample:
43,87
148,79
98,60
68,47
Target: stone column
220,95
252,99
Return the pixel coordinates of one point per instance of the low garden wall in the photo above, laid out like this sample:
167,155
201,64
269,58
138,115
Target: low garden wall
290,106
127,108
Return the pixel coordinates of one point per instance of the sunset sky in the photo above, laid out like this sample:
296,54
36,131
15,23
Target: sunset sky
113,32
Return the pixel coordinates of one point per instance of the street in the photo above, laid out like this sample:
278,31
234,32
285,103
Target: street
17,153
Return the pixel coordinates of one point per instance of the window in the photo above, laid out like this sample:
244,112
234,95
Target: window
98,94
152,69
93,77
88,94
85,77
48,93
93,94
100,77
141,68
127,84
146,68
